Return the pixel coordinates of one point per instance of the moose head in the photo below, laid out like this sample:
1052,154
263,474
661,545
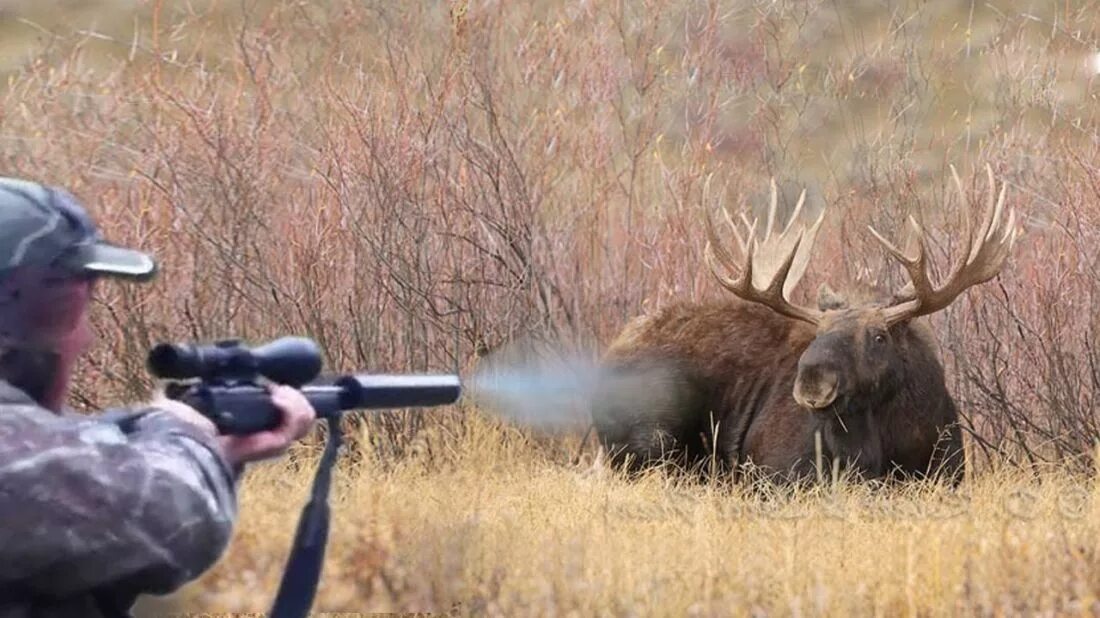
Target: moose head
853,361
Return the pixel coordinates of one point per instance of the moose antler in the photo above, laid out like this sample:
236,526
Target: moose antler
979,262
772,267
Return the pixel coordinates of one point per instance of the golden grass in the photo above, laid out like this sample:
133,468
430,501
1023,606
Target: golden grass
498,531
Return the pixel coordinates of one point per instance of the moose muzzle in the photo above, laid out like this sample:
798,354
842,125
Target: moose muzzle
816,386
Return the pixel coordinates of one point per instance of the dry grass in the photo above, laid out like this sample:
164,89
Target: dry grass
490,529
414,185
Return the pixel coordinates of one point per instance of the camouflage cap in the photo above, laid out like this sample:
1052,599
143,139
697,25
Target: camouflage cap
47,226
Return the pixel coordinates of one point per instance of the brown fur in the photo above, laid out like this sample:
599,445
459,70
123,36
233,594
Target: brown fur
675,376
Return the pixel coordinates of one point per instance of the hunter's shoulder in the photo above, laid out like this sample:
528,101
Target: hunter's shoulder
10,395
17,408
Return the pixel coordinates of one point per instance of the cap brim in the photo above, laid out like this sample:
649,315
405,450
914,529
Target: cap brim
107,260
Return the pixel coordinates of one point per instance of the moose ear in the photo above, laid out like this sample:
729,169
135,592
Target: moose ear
828,299
906,293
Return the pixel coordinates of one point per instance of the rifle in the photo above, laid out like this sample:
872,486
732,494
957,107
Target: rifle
221,381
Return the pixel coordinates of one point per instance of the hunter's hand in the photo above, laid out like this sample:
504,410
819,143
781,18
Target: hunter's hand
298,418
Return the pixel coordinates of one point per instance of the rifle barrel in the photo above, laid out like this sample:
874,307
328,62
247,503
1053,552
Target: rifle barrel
378,391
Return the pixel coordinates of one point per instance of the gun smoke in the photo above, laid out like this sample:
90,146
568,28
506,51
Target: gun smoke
541,387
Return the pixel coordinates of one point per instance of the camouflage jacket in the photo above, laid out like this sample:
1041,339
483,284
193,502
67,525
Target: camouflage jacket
94,513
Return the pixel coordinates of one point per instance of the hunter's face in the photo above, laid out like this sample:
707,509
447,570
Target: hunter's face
43,306
45,310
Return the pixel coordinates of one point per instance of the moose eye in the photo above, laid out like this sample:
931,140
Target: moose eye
880,338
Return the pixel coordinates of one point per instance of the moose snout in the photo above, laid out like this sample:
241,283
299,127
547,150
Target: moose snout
817,386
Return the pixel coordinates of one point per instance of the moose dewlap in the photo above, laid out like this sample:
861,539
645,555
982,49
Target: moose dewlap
779,389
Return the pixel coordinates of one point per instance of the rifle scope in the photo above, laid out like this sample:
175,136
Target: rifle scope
289,360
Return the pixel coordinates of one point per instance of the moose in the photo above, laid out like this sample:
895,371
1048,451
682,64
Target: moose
758,383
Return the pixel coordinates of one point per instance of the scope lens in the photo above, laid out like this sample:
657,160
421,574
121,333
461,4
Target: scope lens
172,361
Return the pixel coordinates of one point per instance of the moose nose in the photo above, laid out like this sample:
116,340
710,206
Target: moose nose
816,387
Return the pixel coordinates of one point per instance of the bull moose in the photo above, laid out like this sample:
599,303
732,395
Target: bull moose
758,382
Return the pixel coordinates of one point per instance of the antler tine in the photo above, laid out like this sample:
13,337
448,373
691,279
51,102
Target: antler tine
770,270
777,285
771,212
898,253
802,259
979,262
727,259
741,242
796,213
993,211
714,245
967,253
993,251
914,266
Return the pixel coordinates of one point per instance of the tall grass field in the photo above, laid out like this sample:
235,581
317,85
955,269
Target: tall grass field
438,186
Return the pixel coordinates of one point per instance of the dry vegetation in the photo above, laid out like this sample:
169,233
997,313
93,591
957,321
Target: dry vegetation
415,184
